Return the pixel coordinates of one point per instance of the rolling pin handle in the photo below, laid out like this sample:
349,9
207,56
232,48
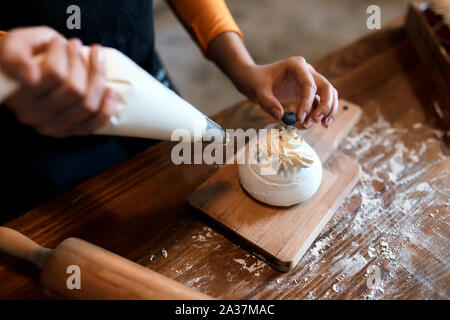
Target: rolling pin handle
18,245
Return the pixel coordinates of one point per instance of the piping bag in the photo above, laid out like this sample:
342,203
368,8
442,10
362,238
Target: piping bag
145,108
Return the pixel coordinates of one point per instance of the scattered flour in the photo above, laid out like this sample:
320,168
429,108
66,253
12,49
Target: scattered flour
195,282
201,239
388,220
349,266
320,245
253,268
438,110
335,287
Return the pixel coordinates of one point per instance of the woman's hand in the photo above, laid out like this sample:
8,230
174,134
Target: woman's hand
62,95
289,80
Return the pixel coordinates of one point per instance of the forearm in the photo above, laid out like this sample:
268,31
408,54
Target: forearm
230,54
205,20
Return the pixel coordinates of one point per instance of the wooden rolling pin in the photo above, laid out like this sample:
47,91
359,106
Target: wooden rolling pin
103,274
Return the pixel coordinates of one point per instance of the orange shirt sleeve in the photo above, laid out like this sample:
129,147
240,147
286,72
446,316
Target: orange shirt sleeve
3,33
205,19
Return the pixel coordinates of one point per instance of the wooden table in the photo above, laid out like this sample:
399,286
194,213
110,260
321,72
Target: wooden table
397,218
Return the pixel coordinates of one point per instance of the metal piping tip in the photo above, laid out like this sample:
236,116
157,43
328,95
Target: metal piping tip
212,125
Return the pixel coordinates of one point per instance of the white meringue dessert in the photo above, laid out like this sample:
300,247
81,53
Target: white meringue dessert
281,169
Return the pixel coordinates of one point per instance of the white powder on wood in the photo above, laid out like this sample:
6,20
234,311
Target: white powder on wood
256,266
389,222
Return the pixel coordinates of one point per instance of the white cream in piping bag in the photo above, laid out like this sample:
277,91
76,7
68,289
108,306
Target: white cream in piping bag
285,170
146,108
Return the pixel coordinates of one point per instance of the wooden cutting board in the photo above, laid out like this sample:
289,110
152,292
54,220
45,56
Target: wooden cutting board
279,235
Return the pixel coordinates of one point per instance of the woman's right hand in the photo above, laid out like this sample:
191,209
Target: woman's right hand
62,95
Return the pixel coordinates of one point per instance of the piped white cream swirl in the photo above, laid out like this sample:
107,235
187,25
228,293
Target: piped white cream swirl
286,147
284,170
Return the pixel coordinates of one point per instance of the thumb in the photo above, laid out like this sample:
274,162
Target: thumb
18,49
271,105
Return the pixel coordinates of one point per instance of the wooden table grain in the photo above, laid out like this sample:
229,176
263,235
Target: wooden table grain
396,221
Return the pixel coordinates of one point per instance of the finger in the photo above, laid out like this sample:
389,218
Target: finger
327,121
308,121
76,83
325,91
34,104
299,68
17,51
75,88
97,121
101,119
270,104
96,78
336,103
68,97
54,69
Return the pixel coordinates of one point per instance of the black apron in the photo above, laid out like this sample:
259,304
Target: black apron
34,168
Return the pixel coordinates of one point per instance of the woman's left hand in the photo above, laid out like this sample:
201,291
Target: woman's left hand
289,80
270,85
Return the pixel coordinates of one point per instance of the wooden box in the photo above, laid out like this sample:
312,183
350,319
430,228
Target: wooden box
433,54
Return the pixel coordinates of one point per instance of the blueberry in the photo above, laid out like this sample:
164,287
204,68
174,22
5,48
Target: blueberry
289,118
